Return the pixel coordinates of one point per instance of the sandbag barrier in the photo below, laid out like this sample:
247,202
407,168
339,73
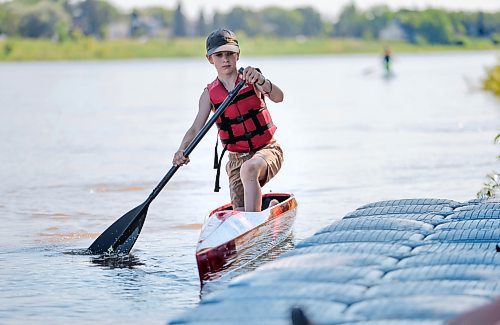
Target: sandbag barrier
410,261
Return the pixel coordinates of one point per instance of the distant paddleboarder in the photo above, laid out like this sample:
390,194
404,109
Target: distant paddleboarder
387,60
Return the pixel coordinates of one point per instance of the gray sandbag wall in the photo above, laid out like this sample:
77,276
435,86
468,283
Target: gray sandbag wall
410,261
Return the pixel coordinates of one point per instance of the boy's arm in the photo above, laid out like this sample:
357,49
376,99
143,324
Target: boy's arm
199,121
263,85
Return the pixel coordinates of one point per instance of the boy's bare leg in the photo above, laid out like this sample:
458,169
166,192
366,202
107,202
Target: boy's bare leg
251,172
485,314
273,202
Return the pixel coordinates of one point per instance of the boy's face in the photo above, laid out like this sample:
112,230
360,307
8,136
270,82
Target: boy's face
225,61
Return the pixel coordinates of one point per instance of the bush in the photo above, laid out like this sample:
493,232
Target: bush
492,81
492,186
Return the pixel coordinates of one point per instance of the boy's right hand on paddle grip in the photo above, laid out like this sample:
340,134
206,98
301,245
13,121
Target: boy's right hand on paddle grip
179,158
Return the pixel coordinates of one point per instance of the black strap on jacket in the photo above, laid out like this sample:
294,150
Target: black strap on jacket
248,135
226,123
217,164
238,97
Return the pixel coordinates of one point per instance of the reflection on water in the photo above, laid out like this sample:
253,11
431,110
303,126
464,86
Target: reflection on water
110,261
88,141
229,240
249,261
116,188
53,238
189,226
117,261
50,215
250,246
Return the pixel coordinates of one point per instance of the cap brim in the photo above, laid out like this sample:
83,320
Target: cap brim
225,48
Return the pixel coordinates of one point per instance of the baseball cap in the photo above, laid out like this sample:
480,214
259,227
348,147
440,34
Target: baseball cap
222,40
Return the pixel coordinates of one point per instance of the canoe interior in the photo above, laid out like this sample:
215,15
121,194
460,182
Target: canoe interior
266,200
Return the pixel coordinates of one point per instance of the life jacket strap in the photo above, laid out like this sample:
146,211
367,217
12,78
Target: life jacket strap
238,97
249,135
217,165
252,114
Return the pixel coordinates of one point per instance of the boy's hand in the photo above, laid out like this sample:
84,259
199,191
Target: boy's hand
179,158
251,75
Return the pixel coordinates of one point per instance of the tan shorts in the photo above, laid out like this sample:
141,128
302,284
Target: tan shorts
271,153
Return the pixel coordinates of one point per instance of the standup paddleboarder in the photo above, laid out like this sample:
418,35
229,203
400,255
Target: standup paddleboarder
387,60
245,128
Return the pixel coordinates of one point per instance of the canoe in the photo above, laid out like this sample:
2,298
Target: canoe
230,238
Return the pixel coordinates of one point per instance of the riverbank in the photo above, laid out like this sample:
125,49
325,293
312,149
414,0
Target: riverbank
92,49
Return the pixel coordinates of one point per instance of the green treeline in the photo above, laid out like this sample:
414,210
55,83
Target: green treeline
64,20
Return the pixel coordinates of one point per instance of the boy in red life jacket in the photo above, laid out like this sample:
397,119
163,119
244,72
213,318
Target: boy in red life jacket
245,129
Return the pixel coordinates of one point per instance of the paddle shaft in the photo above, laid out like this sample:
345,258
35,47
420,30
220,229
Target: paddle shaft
122,234
230,97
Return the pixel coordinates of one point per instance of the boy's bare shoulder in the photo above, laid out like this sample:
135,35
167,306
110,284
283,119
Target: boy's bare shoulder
205,94
205,100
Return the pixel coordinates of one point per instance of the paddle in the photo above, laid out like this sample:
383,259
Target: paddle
122,234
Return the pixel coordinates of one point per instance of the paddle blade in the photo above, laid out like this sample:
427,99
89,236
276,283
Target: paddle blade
120,237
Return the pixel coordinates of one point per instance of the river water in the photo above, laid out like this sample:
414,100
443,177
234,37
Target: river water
85,142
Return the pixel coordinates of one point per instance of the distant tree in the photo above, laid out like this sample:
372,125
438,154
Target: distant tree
459,23
492,23
134,24
49,18
93,16
410,22
9,19
201,25
218,21
147,21
45,19
281,22
163,15
235,19
179,22
67,5
377,18
350,22
312,25
244,20
436,27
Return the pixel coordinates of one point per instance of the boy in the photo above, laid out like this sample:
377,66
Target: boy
245,129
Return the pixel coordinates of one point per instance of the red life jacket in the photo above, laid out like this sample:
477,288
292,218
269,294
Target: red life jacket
246,124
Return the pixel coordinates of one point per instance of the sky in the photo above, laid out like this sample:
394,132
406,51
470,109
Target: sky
328,8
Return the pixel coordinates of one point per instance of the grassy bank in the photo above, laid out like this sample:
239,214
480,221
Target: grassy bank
91,49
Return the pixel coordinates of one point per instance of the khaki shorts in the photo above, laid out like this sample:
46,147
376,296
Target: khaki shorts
271,153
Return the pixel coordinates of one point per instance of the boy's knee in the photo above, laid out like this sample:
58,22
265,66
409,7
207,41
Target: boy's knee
250,169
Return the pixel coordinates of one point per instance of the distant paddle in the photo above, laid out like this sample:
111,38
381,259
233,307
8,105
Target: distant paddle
121,236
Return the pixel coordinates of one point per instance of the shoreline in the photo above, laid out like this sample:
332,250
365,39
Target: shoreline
91,49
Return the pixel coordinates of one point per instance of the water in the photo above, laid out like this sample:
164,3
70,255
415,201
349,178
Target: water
85,142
